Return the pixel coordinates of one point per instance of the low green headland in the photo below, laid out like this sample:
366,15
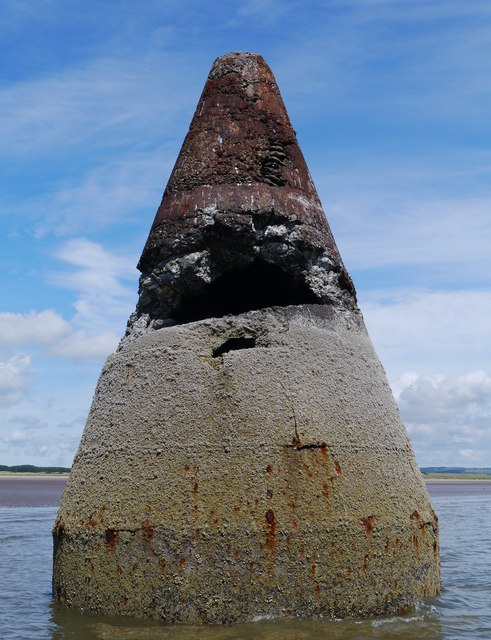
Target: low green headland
429,473
32,470
456,473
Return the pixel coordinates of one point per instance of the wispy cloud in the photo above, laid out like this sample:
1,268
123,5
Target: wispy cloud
115,193
429,332
105,102
103,302
14,380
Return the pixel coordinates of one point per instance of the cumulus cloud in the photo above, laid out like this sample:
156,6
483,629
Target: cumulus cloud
79,345
57,336
442,412
102,307
14,380
43,327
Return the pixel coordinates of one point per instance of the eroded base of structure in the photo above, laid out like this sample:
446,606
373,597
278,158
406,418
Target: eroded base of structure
247,466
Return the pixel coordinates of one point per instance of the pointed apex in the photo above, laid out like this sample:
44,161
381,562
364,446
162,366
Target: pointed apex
240,226
240,133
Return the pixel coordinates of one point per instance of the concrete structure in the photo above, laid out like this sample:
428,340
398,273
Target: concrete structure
244,455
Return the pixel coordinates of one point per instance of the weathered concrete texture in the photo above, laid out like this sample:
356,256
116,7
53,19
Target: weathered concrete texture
240,199
244,455
251,465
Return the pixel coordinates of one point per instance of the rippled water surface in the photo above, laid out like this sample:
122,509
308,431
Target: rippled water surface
463,610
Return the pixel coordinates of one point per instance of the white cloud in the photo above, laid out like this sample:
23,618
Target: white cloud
13,378
118,191
18,447
58,338
103,302
103,102
388,213
28,422
42,327
442,412
80,346
429,331
16,436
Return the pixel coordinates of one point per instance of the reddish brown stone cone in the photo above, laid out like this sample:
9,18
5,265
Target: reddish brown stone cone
240,225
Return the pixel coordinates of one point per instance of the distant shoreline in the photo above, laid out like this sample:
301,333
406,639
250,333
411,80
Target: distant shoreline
457,478
12,475
427,478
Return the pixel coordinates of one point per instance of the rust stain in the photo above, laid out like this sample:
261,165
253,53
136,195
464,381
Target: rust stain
308,472
317,590
271,526
415,516
195,488
111,537
182,562
162,564
129,371
313,568
337,466
269,470
294,525
415,541
148,530
369,524
325,490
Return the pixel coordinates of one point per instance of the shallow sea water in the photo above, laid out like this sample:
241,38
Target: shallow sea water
462,611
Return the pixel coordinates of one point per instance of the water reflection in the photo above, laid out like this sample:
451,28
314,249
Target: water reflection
421,623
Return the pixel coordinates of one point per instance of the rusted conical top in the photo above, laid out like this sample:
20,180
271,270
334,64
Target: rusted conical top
240,226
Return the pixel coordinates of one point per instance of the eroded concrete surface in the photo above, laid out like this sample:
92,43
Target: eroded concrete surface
275,479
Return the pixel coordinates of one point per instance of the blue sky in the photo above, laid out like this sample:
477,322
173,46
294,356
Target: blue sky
390,100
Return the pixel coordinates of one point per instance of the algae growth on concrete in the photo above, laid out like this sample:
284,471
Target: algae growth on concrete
243,455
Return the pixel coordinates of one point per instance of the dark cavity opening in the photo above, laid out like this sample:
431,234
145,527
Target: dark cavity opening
258,286
234,344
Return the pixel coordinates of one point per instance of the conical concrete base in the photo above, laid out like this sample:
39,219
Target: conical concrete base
245,466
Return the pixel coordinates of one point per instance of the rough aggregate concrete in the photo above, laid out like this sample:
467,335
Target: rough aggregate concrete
271,480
